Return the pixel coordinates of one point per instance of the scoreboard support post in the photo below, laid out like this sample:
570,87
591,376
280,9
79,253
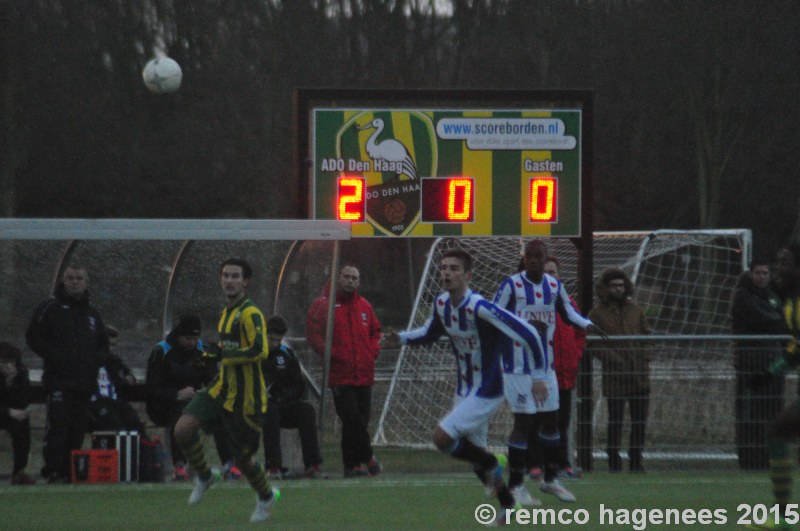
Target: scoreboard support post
326,367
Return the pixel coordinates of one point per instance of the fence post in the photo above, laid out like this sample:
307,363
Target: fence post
585,408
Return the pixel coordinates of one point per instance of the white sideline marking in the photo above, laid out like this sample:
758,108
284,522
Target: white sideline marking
410,480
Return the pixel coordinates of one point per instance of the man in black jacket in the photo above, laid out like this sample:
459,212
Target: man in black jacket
69,334
756,310
287,407
15,393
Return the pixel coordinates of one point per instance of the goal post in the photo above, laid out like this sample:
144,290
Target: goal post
684,279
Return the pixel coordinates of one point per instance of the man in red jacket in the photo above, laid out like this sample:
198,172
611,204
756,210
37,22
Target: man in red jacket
356,336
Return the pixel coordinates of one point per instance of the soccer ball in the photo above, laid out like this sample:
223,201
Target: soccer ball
162,75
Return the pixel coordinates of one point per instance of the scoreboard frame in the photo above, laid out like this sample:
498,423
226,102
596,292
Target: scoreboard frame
570,217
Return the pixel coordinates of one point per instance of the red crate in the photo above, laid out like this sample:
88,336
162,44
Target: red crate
95,466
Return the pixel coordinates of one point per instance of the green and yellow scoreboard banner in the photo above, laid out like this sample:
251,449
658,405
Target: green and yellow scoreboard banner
422,173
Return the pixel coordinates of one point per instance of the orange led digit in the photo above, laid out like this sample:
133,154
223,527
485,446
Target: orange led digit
351,199
543,199
448,199
459,199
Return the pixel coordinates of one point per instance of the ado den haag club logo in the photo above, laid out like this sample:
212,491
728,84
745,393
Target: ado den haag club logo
396,148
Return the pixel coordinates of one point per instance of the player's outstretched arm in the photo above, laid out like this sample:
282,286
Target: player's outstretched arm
431,331
513,327
390,339
594,329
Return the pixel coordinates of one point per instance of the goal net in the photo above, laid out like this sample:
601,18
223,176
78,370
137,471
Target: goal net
684,280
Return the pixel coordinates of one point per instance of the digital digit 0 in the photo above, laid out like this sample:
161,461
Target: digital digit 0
459,199
351,199
543,199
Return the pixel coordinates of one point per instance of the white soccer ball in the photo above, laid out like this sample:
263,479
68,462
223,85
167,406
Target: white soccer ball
162,75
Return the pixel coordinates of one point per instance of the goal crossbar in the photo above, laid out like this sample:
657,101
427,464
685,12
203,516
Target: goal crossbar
172,229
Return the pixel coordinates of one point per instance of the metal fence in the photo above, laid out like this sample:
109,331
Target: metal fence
710,397
709,402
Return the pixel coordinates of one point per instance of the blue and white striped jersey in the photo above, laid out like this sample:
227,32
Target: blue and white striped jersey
536,304
478,331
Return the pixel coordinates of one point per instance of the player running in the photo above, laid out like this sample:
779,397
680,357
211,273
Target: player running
535,297
784,429
478,331
236,400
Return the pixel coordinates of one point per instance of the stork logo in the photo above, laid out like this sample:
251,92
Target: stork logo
393,149
389,154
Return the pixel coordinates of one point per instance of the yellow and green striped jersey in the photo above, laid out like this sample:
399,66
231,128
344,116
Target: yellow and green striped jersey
791,356
239,386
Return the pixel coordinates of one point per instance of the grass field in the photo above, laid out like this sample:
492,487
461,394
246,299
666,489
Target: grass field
444,500
420,489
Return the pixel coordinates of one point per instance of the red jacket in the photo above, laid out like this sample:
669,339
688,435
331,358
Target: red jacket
356,336
568,345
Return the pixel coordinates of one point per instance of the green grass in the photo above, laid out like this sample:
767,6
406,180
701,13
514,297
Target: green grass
442,500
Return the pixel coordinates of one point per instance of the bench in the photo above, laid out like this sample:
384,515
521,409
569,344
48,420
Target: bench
134,393
290,440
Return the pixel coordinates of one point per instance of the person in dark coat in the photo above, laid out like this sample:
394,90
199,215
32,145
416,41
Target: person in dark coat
15,395
756,310
625,365
108,409
287,407
178,368
68,333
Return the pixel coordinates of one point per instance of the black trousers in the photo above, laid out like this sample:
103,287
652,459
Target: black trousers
20,432
639,406
535,457
352,405
564,417
67,420
757,403
297,415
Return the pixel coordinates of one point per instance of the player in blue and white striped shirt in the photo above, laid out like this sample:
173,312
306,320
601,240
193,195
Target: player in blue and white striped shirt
479,331
535,296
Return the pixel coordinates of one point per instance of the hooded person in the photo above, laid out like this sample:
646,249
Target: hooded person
625,364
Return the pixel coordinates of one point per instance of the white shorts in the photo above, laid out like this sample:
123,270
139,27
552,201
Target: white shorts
470,418
519,393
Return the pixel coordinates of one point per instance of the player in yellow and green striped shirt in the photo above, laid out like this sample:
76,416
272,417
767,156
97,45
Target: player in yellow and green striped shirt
784,429
236,400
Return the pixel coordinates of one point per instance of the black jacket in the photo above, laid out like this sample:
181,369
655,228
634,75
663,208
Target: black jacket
170,369
18,394
284,376
70,337
756,311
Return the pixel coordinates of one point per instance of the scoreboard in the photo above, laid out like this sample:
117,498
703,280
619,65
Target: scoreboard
448,171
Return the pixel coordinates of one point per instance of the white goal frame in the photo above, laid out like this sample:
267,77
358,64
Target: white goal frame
631,255
172,229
